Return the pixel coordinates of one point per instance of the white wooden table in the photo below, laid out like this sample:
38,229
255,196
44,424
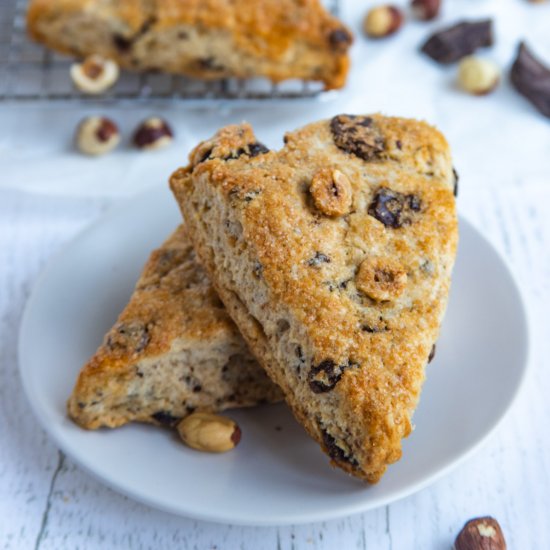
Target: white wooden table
502,149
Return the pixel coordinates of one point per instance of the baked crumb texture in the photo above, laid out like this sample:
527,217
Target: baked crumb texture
173,350
341,302
209,39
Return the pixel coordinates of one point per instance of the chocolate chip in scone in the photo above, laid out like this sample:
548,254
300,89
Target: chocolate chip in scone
335,452
122,43
209,64
340,39
133,336
455,186
358,135
318,259
454,43
324,377
432,354
250,150
394,209
258,269
165,418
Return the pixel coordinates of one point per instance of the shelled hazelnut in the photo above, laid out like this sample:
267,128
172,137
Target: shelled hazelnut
95,74
97,135
478,76
153,133
209,432
382,21
481,534
426,9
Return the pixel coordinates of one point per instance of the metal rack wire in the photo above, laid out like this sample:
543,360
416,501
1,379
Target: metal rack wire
32,73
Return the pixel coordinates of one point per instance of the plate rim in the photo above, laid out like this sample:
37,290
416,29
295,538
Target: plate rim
305,517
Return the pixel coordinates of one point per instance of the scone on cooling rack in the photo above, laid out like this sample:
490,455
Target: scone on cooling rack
173,350
333,255
210,39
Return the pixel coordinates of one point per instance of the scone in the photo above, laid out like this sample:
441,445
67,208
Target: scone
334,257
210,39
173,350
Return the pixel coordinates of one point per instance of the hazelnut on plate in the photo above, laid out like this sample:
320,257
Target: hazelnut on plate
478,76
481,534
97,135
426,10
95,74
153,133
209,432
382,21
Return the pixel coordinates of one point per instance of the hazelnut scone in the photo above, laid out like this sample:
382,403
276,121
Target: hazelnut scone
333,255
173,350
210,39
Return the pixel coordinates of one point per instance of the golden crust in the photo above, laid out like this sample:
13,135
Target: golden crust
172,320
277,261
278,39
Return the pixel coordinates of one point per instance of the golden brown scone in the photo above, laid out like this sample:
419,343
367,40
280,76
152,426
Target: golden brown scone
173,350
333,256
210,39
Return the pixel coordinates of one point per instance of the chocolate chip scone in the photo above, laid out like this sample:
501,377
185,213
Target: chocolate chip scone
277,39
173,350
333,256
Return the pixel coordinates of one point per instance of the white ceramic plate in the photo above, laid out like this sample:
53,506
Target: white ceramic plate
277,475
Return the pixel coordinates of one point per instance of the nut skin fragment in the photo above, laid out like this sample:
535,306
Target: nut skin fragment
331,192
478,76
94,75
208,432
426,10
481,534
382,21
381,279
531,79
96,136
153,133
453,43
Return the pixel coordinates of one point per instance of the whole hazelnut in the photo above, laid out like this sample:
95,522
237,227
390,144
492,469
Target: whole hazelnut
481,534
97,135
382,21
153,133
426,9
95,74
478,76
209,432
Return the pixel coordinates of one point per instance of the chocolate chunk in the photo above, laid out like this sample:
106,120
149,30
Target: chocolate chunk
324,377
454,43
432,354
394,209
133,336
250,150
336,453
318,259
456,178
209,64
358,135
165,418
340,40
531,79
122,43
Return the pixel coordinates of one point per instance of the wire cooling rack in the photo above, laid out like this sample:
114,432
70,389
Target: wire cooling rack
32,73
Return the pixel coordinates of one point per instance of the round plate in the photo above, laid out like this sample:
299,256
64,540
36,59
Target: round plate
277,475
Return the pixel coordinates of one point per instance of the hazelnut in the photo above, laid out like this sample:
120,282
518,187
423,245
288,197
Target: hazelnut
478,76
153,133
95,74
209,432
97,135
331,192
481,534
381,279
382,21
426,9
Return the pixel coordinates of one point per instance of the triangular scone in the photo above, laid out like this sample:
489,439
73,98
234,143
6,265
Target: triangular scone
333,256
277,39
173,350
